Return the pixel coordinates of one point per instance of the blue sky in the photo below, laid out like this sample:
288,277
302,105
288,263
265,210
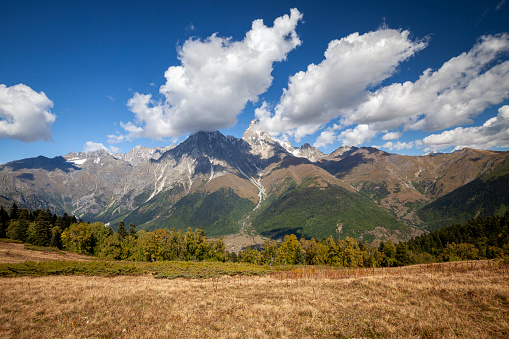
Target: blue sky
406,77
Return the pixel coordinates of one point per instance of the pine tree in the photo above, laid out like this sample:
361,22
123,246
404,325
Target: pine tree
402,255
55,240
233,257
18,229
4,222
132,230
67,221
59,222
14,215
121,230
42,229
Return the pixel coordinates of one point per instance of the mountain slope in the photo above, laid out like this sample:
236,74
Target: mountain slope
216,206
404,183
486,196
311,210
306,200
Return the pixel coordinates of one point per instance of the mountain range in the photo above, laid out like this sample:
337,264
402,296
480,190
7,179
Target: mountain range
227,185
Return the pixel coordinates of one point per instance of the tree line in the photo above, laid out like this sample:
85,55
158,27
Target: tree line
479,238
40,227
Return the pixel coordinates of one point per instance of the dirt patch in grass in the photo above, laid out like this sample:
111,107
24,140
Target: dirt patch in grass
239,241
12,253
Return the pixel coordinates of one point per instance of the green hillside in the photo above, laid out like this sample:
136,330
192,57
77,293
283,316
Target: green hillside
312,211
485,196
490,236
216,213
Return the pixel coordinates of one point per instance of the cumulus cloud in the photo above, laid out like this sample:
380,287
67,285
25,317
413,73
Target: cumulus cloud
325,138
398,145
493,133
216,79
391,136
450,96
25,114
357,136
339,83
345,87
91,146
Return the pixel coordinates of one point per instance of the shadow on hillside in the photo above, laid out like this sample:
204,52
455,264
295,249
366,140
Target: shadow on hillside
41,162
344,166
293,161
279,233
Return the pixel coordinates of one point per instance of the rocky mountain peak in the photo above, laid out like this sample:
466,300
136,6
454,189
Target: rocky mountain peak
142,154
254,123
342,151
204,143
309,152
203,150
262,144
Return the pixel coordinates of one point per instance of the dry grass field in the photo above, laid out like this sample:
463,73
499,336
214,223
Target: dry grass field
458,300
13,253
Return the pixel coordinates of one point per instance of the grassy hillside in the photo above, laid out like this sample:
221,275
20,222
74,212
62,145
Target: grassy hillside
312,211
216,213
485,196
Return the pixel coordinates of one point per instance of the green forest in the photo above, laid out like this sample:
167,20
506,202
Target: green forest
478,238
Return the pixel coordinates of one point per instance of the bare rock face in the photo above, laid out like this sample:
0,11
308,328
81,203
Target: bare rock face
141,154
261,143
309,152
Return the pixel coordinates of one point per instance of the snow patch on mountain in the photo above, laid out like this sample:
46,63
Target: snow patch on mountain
77,161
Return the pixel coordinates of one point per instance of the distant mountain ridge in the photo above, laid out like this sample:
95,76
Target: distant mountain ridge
225,185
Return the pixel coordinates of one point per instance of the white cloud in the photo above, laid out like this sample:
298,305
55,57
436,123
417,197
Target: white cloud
116,138
114,149
344,87
391,136
357,136
493,133
25,114
451,96
398,145
91,146
327,137
339,83
215,80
